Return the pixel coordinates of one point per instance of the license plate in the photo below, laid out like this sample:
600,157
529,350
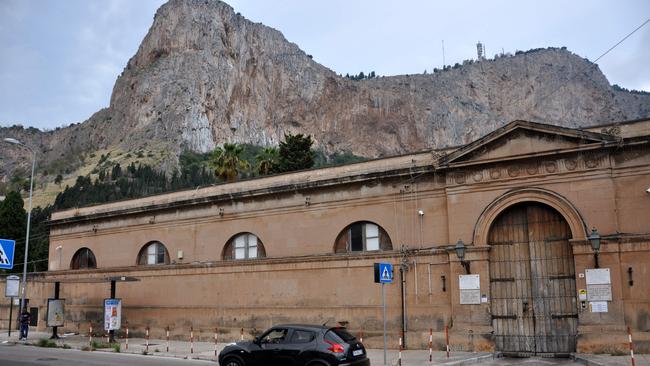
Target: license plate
357,352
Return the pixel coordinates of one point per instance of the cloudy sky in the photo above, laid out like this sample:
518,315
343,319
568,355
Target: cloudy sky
59,59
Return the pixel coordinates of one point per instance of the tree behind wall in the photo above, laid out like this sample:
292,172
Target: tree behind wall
13,222
228,163
296,153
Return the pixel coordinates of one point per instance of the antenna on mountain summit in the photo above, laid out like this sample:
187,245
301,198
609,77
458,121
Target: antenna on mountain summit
443,54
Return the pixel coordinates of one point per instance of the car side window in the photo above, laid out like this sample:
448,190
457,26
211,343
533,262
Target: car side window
302,336
275,336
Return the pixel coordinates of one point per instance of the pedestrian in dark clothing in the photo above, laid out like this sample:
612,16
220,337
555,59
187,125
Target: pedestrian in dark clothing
25,317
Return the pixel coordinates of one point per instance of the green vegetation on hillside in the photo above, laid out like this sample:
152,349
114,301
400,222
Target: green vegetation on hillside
109,181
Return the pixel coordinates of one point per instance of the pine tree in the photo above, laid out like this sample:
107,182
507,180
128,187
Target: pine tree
13,222
296,153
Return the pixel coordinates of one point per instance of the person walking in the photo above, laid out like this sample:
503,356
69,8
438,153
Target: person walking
25,317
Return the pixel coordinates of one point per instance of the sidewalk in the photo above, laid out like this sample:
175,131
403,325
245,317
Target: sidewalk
607,360
206,350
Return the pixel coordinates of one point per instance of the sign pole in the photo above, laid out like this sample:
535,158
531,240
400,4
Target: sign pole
55,334
13,282
11,314
383,275
383,304
111,333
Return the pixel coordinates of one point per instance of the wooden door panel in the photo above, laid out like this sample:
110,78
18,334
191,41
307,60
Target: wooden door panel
510,284
532,281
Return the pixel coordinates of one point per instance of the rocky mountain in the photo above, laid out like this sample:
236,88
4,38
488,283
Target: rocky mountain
205,75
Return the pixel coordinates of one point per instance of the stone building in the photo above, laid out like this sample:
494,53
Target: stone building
300,247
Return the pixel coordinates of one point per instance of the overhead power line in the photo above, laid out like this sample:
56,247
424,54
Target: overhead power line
622,40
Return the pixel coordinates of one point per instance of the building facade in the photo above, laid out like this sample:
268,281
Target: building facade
523,201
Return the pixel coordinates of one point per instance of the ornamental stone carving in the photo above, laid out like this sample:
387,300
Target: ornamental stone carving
591,162
550,166
532,169
513,171
495,173
571,164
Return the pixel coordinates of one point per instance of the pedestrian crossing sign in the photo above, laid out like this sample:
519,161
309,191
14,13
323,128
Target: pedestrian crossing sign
383,273
7,253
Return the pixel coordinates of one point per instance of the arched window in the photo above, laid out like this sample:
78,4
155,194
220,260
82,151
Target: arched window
244,246
83,259
153,253
362,236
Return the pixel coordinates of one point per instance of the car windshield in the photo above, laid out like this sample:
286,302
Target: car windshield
343,334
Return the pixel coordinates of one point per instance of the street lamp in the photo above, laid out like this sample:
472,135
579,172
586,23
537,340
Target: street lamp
460,253
594,240
29,217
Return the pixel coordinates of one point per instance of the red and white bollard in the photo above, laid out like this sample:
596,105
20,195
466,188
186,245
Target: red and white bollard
361,337
167,338
191,339
430,344
216,331
629,335
126,344
447,339
146,339
90,333
399,357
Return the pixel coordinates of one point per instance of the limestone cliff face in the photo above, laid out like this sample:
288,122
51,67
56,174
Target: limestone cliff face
204,75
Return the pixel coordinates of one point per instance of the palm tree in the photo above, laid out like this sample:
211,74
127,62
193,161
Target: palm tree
227,162
267,160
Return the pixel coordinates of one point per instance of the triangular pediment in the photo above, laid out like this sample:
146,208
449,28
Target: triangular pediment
523,139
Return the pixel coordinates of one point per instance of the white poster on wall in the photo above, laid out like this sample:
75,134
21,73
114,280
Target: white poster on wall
599,286
470,289
598,306
598,276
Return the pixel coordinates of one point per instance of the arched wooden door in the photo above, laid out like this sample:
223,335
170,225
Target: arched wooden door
532,281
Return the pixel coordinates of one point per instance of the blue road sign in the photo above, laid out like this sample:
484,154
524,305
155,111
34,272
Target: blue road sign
7,253
385,273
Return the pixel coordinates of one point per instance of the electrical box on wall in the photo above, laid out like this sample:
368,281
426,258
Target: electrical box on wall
180,255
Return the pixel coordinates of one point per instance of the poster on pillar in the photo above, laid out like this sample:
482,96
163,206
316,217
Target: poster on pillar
112,314
470,289
599,284
55,312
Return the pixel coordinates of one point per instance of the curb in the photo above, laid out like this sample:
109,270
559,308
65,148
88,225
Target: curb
468,361
585,361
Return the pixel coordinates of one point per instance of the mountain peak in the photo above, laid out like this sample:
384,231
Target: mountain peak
205,75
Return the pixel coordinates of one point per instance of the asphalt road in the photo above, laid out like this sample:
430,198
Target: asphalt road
11,355
19,355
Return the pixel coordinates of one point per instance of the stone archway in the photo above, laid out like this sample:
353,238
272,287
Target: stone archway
550,198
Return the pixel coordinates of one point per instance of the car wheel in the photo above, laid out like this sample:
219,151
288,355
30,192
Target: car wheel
232,361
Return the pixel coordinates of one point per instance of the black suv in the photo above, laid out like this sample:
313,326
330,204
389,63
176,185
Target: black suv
297,345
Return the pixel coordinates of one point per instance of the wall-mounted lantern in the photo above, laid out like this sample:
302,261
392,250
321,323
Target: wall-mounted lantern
460,253
594,240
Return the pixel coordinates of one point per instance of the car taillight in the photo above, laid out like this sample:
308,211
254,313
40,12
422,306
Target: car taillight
335,347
